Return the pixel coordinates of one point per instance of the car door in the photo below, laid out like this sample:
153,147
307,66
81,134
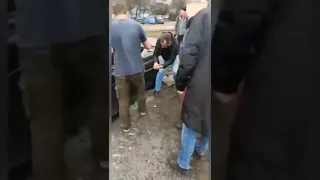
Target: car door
114,98
149,73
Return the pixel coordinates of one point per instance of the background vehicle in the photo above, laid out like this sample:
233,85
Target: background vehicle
159,19
149,75
139,19
150,20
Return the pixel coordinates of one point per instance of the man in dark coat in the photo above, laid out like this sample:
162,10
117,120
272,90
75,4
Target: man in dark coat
268,45
193,75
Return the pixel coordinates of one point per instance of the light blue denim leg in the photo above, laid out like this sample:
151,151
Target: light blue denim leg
203,146
160,75
188,142
175,65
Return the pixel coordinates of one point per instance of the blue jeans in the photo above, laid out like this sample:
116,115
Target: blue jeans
189,145
162,72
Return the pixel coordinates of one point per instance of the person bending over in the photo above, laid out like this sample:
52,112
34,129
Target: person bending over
166,54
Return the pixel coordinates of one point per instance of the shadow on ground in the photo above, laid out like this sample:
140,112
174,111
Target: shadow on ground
142,153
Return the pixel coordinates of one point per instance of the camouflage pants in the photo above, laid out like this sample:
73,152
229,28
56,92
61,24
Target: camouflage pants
130,88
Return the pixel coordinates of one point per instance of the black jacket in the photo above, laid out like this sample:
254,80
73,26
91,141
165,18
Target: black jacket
269,45
169,54
194,74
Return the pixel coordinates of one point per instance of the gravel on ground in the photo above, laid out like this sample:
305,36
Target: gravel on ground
142,153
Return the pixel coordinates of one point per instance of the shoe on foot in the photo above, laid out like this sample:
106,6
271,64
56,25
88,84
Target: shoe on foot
197,156
175,166
156,93
179,125
143,113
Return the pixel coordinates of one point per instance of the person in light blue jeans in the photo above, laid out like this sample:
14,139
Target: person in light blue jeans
190,148
162,72
166,53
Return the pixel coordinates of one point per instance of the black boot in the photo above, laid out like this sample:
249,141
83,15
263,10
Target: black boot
156,94
172,160
179,125
197,156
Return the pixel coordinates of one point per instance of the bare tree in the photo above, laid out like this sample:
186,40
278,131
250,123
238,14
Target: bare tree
138,4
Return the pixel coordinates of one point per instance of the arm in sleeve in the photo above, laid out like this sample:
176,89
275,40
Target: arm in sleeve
189,53
239,27
142,34
173,55
156,52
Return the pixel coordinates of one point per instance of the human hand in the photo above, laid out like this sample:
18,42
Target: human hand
225,98
182,95
157,66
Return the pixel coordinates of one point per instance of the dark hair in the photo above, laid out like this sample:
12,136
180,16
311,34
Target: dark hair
184,8
168,37
119,9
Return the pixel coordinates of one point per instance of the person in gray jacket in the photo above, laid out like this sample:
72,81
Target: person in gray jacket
181,24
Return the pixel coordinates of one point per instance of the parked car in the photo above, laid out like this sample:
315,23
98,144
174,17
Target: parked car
149,75
159,20
139,19
150,20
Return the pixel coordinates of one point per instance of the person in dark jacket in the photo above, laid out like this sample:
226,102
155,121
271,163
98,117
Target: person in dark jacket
179,124
193,84
268,47
166,54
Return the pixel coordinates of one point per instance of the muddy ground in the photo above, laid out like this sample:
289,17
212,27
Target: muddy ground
142,153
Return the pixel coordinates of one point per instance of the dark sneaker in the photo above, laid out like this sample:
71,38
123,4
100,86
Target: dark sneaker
175,166
156,94
197,156
179,125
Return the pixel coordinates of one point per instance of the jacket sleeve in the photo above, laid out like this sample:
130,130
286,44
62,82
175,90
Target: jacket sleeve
156,52
189,53
239,29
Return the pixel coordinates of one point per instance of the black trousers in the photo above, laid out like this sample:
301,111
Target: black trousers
222,116
59,83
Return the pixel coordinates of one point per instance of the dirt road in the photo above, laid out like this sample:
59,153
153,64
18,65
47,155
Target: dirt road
142,153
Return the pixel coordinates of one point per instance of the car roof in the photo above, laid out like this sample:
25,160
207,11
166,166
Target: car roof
152,41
